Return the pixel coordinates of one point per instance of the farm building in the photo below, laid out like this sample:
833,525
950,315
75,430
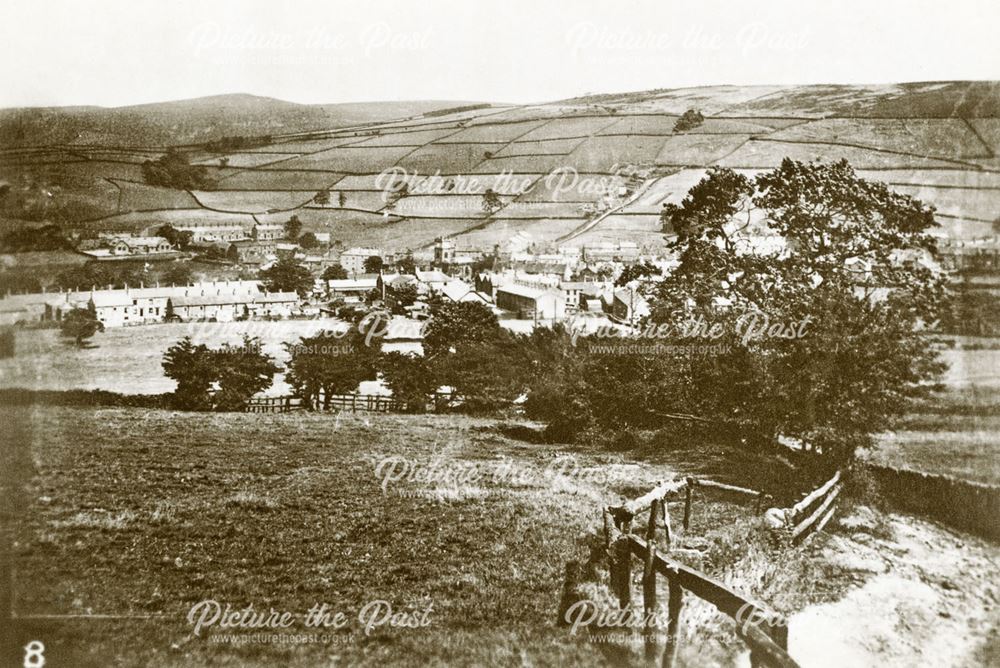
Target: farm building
530,302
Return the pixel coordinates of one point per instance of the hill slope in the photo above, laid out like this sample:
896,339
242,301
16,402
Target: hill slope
191,121
559,168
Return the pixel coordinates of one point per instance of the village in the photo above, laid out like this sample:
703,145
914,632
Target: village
520,285
406,334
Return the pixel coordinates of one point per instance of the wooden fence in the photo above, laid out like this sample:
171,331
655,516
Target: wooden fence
373,403
813,512
765,632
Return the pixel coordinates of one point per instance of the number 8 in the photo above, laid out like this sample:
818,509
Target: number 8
34,654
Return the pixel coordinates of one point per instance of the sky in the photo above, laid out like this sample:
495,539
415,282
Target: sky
122,52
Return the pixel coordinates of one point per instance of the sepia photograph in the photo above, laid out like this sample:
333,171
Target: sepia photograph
539,333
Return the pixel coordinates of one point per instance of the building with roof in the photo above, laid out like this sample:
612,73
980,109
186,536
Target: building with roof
211,231
433,279
267,232
352,289
533,303
576,293
144,305
229,307
353,259
628,306
460,291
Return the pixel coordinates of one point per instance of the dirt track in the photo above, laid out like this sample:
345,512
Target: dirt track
927,596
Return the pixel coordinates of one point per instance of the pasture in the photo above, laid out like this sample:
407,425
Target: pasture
888,132
287,511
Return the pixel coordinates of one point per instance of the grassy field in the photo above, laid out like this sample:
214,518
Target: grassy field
956,433
286,511
885,129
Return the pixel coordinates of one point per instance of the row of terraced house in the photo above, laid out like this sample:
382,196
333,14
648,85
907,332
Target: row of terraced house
222,301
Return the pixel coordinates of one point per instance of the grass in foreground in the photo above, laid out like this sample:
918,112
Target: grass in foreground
139,514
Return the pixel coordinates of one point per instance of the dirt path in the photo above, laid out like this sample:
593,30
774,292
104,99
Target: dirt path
927,597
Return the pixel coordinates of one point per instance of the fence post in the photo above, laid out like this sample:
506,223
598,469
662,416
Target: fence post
667,532
779,633
687,503
649,582
675,602
621,562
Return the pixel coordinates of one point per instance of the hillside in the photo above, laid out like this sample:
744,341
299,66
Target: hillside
191,121
934,140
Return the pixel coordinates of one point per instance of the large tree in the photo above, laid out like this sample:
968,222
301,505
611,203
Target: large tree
456,324
287,275
174,170
242,371
823,284
192,368
410,377
398,297
799,308
179,239
292,228
222,379
80,324
334,272
330,363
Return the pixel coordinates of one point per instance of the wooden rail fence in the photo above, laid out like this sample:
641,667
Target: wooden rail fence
765,632
813,512
372,403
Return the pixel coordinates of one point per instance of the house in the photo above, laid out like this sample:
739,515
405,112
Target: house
229,307
220,308
460,291
628,306
433,279
267,232
575,293
529,302
114,308
253,252
274,305
145,305
353,259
